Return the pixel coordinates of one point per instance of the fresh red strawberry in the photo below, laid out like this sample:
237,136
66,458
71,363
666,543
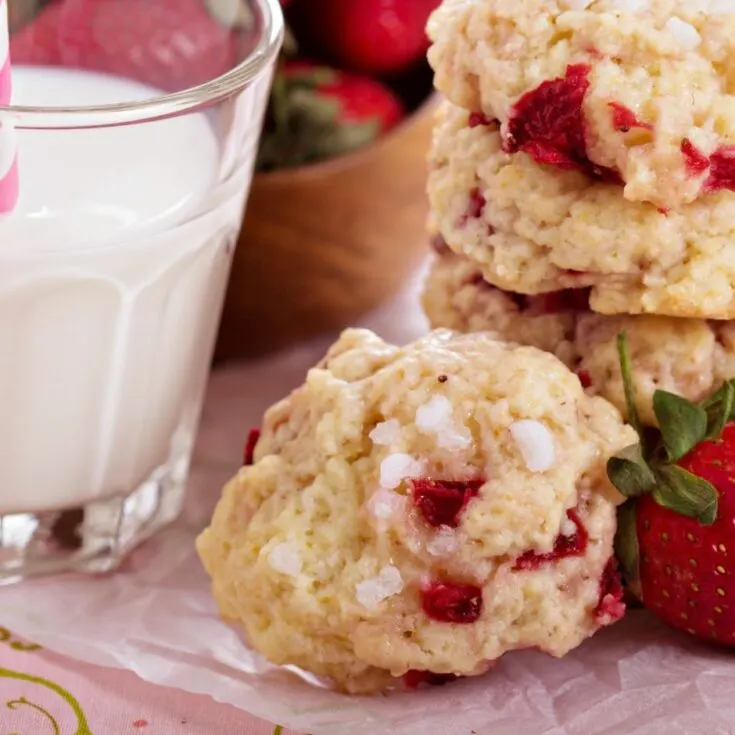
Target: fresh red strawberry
360,99
168,44
676,536
317,112
369,36
37,42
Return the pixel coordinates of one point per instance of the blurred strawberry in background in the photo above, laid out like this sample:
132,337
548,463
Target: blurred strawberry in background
370,36
319,112
354,68
350,69
169,44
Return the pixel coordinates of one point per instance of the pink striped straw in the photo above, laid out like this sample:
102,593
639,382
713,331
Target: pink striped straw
8,144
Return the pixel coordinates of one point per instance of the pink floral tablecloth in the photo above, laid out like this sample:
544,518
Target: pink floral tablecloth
44,694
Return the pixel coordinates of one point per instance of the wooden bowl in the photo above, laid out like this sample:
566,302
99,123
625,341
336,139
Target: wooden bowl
323,244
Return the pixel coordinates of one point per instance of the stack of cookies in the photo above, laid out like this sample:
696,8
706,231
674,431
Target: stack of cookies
582,183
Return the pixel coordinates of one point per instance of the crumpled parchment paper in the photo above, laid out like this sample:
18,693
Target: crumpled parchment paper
156,618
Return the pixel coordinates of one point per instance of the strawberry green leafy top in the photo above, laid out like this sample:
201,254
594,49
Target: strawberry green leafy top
651,465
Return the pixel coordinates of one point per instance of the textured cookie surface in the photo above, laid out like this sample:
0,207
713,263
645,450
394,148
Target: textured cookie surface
425,508
636,91
538,228
689,357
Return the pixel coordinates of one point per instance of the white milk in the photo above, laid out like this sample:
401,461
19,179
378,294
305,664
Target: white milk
112,270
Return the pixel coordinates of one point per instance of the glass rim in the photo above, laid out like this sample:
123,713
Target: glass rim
167,105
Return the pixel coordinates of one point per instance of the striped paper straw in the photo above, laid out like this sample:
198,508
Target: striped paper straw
8,143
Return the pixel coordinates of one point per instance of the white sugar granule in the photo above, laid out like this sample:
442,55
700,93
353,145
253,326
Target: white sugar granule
286,559
444,542
686,34
568,528
631,6
384,503
372,592
386,433
384,506
436,417
535,443
398,467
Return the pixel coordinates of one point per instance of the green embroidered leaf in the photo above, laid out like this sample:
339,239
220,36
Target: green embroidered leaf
682,423
626,546
629,472
719,407
626,372
685,493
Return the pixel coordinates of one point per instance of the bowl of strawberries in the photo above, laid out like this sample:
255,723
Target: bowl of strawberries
337,212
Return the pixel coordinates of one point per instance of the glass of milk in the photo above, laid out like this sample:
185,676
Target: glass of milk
113,268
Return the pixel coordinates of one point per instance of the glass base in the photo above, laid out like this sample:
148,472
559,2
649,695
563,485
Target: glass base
94,538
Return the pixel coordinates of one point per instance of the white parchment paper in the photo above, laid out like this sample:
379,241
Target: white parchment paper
156,618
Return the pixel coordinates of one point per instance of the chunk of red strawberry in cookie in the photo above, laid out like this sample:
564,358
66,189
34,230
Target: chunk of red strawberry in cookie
250,444
611,605
452,602
548,124
571,541
442,501
678,528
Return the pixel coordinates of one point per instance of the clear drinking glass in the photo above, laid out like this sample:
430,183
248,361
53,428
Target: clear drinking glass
137,124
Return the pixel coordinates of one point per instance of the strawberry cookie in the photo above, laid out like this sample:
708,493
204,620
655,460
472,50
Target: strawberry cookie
418,512
533,229
637,93
689,357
